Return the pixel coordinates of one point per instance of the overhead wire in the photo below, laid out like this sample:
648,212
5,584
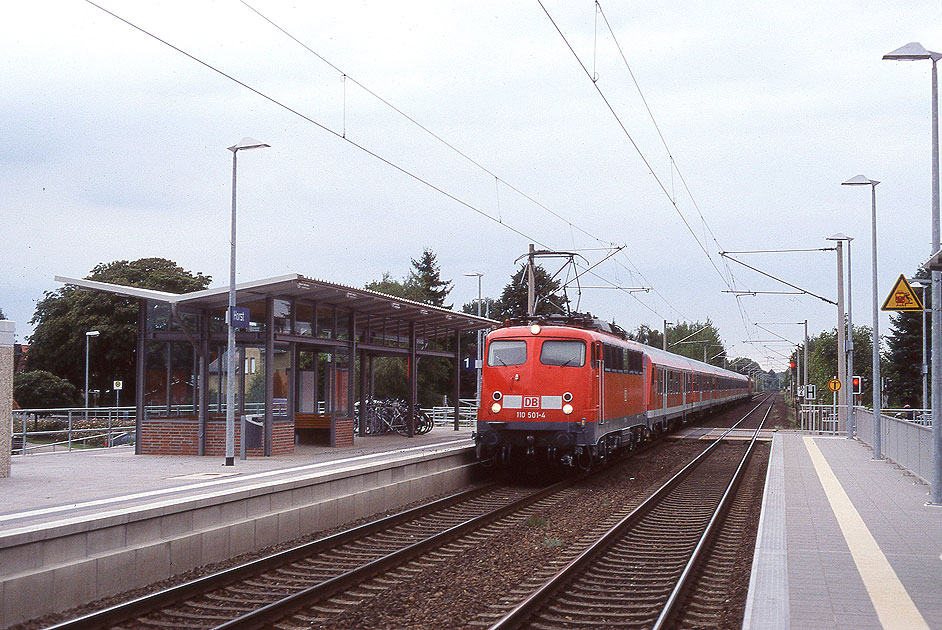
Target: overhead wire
394,165
730,281
634,144
479,165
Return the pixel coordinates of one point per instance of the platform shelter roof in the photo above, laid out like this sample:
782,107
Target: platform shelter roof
363,302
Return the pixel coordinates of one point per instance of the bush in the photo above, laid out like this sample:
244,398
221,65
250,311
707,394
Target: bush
42,390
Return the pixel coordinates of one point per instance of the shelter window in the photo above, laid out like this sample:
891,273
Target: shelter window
506,352
562,353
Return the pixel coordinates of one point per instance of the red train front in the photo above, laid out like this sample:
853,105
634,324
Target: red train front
573,394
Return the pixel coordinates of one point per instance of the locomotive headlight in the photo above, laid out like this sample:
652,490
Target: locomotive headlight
535,329
495,408
567,409
497,395
567,397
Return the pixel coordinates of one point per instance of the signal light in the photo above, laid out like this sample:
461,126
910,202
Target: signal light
791,365
857,383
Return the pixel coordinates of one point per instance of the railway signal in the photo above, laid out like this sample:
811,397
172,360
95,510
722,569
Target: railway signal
857,384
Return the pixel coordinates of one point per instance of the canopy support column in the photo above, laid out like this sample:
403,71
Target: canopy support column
139,375
413,382
457,377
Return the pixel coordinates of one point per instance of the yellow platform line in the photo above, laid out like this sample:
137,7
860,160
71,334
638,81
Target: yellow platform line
893,604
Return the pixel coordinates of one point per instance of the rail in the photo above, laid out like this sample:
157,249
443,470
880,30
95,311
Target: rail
542,595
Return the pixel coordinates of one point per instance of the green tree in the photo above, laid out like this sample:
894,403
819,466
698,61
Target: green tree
426,278
2,316
696,340
63,317
43,390
648,336
435,375
549,297
822,362
388,285
903,373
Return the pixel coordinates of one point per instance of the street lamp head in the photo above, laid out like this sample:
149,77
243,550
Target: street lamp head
474,274
860,180
248,143
839,237
912,52
92,333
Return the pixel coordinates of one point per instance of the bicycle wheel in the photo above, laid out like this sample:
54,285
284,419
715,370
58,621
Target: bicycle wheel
423,423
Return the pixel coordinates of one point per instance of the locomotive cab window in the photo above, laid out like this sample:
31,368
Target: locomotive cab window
506,352
563,352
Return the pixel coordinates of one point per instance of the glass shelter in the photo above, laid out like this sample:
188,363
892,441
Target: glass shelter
304,360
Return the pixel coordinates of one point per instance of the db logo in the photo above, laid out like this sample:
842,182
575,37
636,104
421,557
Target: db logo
531,401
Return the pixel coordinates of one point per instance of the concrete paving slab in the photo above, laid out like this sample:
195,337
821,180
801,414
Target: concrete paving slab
828,483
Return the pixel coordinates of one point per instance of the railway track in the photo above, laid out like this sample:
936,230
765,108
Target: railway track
256,593
640,573
309,585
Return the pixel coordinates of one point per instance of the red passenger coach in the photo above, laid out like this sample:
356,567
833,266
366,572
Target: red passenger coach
573,392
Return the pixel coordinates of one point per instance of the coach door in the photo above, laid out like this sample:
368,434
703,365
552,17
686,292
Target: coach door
598,372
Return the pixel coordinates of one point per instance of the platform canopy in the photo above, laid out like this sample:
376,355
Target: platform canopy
363,302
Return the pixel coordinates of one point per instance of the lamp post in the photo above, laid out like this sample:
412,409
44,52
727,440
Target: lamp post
244,144
841,340
861,180
923,284
480,357
911,52
88,336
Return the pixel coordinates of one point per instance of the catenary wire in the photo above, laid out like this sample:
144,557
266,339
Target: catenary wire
497,178
359,146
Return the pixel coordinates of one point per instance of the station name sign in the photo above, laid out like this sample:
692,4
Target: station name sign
240,317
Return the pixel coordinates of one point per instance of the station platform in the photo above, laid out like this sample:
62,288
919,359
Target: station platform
48,487
90,524
844,541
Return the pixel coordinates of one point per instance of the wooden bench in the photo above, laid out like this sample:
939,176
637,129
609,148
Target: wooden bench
311,421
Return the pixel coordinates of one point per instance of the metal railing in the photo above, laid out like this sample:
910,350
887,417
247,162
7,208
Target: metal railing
68,428
821,419
922,417
105,427
445,416
904,441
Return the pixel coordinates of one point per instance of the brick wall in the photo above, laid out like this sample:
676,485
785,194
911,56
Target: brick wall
180,436
344,434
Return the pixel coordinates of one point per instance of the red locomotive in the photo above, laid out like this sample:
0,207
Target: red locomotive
573,391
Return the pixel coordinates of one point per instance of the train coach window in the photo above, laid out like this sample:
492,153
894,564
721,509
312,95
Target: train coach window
559,352
506,352
635,363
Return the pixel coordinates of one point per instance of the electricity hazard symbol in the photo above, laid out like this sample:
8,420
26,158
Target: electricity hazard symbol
902,298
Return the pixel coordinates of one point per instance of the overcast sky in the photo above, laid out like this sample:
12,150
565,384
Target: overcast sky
114,146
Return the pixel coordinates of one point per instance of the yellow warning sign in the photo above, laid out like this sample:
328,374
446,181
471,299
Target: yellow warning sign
902,298
834,385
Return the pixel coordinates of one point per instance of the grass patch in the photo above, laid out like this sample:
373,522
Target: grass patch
536,521
553,542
